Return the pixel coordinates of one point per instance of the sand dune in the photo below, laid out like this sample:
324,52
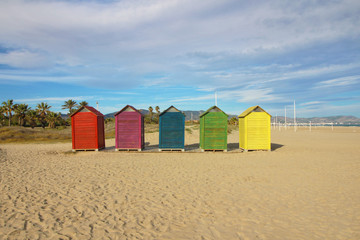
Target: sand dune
307,188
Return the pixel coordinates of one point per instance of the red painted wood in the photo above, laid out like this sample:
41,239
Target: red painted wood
87,129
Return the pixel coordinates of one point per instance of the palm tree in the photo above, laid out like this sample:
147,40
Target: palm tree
8,107
83,103
32,117
151,113
2,116
52,118
43,110
21,111
157,109
70,104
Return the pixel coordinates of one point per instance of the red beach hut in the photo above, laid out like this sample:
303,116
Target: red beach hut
129,129
87,126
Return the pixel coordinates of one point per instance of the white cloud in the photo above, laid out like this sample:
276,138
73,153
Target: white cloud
248,51
339,82
251,96
192,99
170,27
27,77
311,103
24,59
54,99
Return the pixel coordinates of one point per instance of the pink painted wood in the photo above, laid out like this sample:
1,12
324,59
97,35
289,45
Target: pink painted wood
129,129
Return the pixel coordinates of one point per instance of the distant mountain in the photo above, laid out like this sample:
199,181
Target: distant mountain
189,115
64,116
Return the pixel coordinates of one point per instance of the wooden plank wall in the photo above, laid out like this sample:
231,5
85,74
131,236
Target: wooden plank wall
172,130
258,131
84,127
129,130
214,131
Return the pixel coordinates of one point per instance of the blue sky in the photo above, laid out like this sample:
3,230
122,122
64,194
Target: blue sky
173,52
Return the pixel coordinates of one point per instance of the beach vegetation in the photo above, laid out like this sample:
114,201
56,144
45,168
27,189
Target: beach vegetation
32,117
53,119
151,113
2,116
43,109
21,110
8,108
83,104
233,121
71,105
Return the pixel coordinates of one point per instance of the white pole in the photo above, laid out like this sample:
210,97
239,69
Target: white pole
215,98
332,126
310,126
285,117
97,106
294,116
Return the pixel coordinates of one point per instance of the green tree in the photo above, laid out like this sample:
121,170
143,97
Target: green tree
233,121
32,118
83,103
43,110
157,109
2,116
53,118
9,108
151,112
21,110
71,105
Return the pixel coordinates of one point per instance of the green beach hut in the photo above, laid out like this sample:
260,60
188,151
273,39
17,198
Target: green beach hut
213,129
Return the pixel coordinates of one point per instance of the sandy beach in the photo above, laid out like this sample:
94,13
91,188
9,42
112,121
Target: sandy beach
308,187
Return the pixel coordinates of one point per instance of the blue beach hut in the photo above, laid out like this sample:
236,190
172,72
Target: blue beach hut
171,129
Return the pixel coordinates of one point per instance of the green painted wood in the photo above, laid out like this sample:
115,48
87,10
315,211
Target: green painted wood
213,131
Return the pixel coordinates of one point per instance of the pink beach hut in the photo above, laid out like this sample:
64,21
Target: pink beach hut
129,129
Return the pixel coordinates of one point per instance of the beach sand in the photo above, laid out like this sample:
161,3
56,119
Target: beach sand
308,187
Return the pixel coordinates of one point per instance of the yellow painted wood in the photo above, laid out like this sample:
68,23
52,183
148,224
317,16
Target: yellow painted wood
254,129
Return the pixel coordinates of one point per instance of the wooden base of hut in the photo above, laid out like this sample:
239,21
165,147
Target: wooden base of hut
172,149
247,150
213,150
128,149
93,149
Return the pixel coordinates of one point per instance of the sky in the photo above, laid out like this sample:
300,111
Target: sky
180,52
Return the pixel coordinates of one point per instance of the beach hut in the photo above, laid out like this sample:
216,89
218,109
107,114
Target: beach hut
254,129
129,129
171,129
213,129
87,126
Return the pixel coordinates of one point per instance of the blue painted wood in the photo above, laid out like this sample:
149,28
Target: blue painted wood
172,130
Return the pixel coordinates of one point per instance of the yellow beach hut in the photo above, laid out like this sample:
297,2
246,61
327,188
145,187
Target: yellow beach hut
254,129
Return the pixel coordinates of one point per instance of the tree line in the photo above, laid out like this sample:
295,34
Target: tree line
23,115
153,117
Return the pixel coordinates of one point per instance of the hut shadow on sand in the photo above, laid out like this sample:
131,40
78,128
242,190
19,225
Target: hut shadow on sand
190,147
275,146
149,148
232,147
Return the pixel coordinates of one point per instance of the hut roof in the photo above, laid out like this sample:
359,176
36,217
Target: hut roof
213,109
253,109
126,108
89,109
171,109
